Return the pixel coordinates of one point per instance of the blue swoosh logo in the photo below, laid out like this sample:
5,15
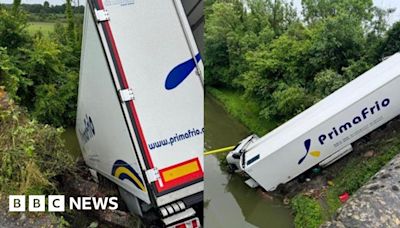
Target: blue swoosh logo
180,73
307,145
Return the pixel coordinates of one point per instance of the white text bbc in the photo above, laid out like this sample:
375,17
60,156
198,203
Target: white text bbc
56,203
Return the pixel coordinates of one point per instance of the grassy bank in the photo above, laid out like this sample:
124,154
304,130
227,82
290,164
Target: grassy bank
246,111
356,171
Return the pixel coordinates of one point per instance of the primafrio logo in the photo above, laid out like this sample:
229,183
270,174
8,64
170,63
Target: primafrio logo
88,131
336,131
307,146
180,73
365,113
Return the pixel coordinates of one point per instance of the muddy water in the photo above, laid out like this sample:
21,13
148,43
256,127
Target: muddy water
71,142
228,200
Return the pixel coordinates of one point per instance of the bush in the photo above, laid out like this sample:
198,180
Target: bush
41,72
13,32
10,75
286,102
327,82
32,155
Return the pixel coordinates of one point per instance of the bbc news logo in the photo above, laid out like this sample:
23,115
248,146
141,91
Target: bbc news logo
56,203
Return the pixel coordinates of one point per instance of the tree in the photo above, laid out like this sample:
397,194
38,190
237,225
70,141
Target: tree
286,63
315,10
285,59
234,29
46,4
70,22
328,81
13,30
286,102
336,41
40,72
223,31
391,42
16,6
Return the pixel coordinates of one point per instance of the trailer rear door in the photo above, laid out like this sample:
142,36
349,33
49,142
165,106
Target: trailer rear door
158,70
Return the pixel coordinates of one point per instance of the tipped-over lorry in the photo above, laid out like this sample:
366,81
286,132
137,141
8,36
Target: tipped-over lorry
323,133
140,105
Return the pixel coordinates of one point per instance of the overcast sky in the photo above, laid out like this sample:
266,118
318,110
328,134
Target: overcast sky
52,2
381,3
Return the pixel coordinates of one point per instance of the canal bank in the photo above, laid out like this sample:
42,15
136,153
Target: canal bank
376,204
81,183
317,199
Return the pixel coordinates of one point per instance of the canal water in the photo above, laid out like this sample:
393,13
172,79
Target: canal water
71,142
229,202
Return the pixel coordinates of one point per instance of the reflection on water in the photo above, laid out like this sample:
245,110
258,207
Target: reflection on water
229,202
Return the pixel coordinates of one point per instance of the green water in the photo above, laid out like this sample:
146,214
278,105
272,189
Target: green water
229,202
71,142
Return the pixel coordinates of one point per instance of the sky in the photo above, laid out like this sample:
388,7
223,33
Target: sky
381,3
52,2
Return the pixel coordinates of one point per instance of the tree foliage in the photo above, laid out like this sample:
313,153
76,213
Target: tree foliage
41,72
288,62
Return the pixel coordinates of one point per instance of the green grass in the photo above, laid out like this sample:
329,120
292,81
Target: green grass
44,27
245,110
308,212
356,172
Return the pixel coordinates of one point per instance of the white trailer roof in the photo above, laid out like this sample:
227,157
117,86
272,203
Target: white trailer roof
331,105
194,13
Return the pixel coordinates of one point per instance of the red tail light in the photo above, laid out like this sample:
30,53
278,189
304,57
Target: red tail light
194,223
181,226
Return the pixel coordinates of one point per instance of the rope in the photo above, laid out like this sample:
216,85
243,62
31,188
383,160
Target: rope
221,150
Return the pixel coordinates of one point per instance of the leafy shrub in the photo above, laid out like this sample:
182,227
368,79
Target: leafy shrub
32,155
327,82
13,32
10,75
287,101
41,72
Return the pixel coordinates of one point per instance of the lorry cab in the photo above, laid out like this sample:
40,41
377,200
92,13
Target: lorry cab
236,157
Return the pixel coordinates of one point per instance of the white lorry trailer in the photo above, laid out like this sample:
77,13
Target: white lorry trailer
140,105
324,132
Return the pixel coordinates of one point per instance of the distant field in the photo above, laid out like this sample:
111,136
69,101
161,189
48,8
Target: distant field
44,27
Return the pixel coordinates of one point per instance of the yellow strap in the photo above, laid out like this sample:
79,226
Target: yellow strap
225,149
